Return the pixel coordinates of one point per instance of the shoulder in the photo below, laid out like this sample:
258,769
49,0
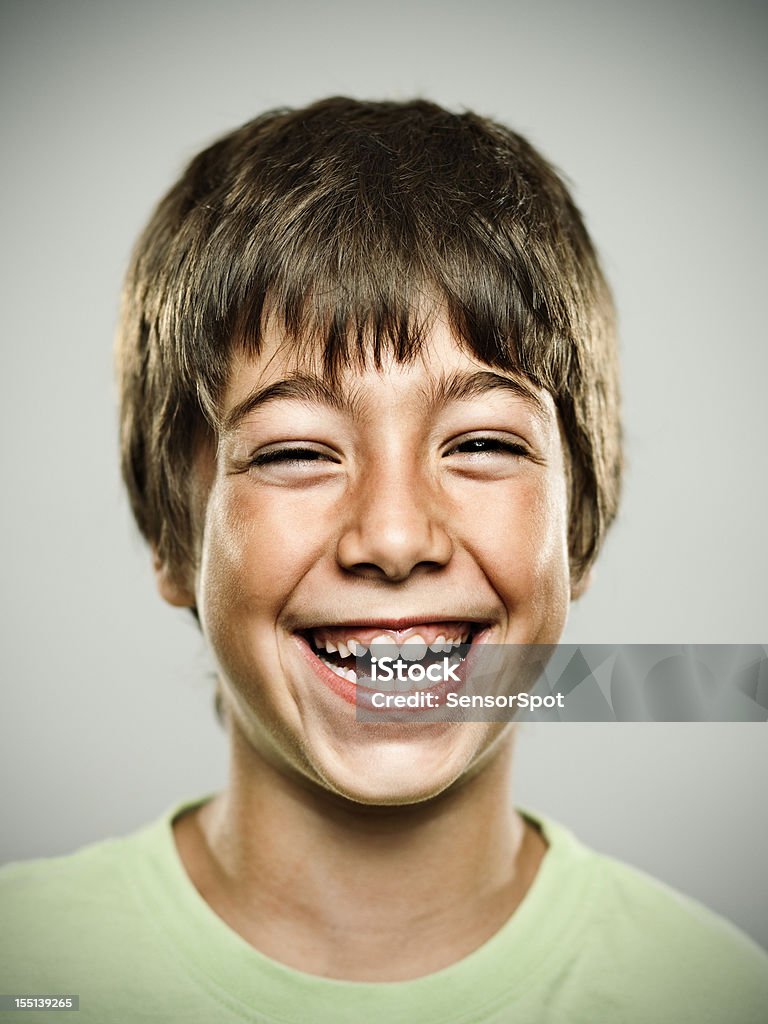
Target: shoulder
666,949
61,914
100,877
74,880
633,904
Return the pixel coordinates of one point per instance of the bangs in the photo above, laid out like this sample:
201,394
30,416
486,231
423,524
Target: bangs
349,308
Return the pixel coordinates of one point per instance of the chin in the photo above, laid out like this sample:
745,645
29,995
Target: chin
401,769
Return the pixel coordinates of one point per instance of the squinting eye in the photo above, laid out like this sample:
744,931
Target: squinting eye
488,446
289,456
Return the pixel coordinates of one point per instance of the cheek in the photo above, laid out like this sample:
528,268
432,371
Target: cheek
256,548
524,538
547,513
550,565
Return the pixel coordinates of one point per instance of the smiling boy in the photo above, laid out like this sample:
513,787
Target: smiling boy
368,393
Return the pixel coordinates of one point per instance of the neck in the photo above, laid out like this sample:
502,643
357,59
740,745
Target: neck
357,892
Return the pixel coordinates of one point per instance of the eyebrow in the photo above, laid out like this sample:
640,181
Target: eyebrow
300,387
454,387
463,385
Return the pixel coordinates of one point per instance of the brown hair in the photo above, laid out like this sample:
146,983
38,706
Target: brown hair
339,219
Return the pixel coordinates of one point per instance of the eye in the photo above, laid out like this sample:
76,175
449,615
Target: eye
296,456
488,446
292,465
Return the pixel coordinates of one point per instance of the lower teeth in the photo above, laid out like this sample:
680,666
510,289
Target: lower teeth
343,673
350,674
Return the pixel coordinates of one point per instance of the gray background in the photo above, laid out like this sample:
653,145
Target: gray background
656,113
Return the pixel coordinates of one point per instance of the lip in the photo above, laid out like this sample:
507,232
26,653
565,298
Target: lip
361,696
396,625
428,632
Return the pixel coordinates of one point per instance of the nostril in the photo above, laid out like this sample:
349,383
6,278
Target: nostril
392,573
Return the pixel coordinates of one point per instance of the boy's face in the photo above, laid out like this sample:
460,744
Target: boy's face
416,500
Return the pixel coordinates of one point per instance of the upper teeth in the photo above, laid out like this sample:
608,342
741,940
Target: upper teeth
387,644
413,648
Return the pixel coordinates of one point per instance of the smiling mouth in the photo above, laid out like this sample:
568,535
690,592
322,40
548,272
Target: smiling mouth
351,650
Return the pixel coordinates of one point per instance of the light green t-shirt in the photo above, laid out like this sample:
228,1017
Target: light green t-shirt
120,924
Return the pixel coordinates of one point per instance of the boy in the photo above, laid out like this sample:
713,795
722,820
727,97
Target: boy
369,394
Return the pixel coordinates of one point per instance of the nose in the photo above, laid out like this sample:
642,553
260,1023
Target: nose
394,526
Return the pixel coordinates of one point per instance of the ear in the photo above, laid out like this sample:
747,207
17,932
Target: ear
582,585
169,588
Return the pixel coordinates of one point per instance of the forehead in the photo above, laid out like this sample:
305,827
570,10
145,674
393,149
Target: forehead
440,370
